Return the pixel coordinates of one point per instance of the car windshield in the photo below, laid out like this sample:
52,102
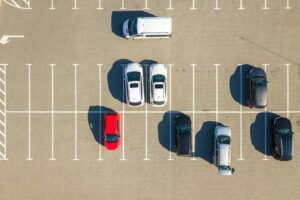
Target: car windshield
134,85
132,29
158,78
284,131
223,167
111,138
223,139
133,76
184,128
259,81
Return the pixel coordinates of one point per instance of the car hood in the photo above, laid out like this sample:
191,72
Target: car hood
261,96
111,145
287,145
125,28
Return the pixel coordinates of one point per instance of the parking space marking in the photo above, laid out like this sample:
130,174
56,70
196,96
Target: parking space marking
52,112
146,115
123,115
100,104
193,6
170,109
241,5
52,5
146,5
217,91
170,5
3,112
75,113
100,5
287,5
29,113
217,5
241,113
193,114
265,109
123,5
75,5
288,89
265,5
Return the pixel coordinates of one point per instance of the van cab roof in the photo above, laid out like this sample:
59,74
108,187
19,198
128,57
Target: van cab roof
154,25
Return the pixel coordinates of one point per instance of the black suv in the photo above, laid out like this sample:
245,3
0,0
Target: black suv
282,139
183,135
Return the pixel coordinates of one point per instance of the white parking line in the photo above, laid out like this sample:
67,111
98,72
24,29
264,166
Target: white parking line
100,104
217,91
29,113
123,116
193,114
170,5
217,5
265,151
75,5
146,115
241,112
123,5
241,5
193,6
75,100
288,89
265,5
52,114
287,5
52,5
146,5
170,109
100,5
3,131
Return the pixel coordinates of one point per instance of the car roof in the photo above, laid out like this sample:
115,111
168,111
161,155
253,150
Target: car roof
184,144
154,25
111,121
224,154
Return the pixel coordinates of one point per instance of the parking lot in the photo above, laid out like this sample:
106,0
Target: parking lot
68,70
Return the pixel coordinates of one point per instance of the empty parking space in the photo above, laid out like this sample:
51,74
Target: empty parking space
294,83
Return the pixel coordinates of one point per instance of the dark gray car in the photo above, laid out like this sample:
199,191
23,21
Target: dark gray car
257,88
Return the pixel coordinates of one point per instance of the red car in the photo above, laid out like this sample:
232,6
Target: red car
111,130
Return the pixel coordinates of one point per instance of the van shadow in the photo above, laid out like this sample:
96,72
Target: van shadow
239,82
95,121
260,131
115,80
118,18
166,133
204,141
146,69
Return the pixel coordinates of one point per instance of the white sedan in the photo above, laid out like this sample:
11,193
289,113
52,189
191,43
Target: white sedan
158,84
134,84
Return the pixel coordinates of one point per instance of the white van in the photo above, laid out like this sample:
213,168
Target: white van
222,150
147,27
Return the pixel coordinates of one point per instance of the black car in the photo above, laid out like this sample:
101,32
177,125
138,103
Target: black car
257,82
183,135
282,139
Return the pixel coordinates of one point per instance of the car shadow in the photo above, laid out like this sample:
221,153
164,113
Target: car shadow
260,131
204,141
115,80
118,18
239,82
95,121
166,134
146,69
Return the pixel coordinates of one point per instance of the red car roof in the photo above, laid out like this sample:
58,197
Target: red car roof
111,121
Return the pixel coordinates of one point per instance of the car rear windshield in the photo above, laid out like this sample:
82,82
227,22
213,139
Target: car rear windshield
223,167
259,81
132,28
111,138
159,86
158,78
134,85
223,139
284,131
134,76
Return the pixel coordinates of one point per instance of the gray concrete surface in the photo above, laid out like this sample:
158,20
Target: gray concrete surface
204,36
